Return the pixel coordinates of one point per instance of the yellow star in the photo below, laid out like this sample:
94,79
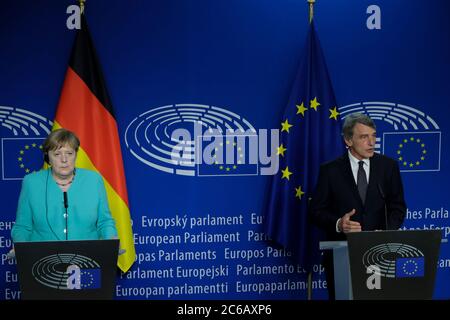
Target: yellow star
334,113
301,109
285,126
299,192
27,147
314,104
286,173
33,145
281,149
19,158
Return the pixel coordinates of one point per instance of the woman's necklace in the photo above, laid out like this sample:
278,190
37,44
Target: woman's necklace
67,183
64,184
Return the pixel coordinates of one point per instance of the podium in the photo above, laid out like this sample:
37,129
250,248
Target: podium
67,270
385,265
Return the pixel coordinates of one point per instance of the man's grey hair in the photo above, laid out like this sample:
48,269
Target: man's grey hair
350,122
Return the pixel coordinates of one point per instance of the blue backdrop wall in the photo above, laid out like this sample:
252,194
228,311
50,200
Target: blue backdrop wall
238,58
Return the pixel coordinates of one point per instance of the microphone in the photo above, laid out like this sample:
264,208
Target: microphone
385,207
66,205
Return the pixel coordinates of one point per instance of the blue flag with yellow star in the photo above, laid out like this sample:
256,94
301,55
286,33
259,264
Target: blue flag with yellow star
310,135
21,156
414,151
90,278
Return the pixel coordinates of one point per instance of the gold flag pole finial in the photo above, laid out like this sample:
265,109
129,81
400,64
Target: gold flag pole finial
311,9
82,6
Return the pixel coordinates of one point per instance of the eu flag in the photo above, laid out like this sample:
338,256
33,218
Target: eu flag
20,157
310,134
227,155
90,278
410,267
414,151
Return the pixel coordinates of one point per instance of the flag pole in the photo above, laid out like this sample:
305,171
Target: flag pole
82,6
309,281
311,9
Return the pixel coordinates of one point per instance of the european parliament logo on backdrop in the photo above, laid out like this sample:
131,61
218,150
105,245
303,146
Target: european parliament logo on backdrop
404,133
201,140
21,149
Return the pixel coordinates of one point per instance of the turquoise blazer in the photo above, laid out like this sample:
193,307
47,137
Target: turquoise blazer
40,212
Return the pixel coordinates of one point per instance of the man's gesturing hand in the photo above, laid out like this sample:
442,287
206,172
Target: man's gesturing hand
346,225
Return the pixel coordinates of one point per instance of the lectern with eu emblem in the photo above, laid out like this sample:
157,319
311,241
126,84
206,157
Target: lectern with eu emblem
58,270
385,265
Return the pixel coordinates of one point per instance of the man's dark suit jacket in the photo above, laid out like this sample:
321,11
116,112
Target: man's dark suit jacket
336,193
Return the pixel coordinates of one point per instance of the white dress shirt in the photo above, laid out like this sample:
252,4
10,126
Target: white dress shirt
354,163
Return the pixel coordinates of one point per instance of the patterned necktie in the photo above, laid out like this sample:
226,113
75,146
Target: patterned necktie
362,181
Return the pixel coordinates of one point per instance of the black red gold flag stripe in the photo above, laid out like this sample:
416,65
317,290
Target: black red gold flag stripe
85,108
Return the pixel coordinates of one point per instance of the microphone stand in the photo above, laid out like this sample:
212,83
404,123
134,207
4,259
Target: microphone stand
385,207
66,205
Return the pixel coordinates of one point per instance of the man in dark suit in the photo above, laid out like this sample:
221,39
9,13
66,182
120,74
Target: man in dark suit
352,190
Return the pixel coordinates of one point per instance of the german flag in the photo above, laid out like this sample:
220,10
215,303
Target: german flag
85,108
